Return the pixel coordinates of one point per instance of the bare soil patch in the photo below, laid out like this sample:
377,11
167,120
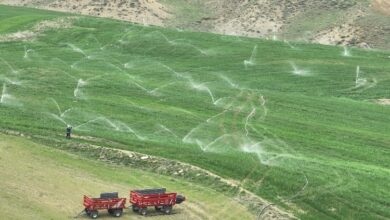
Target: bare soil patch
382,6
139,11
37,30
18,36
346,34
383,101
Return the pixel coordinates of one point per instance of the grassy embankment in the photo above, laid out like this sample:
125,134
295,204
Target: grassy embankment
40,182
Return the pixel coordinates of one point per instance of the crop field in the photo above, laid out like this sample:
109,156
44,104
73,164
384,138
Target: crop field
304,126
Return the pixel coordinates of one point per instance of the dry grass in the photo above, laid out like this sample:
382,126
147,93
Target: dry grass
48,184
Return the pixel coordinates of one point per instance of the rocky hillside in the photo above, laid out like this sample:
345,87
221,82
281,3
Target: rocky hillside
139,11
363,23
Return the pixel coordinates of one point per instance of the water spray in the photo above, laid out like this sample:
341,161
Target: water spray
163,127
346,52
10,81
175,43
26,52
229,81
203,87
58,118
298,71
252,58
289,44
3,93
77,49
66,111
215,116
274,37
357,75
251,114
61,114
9,66
155,91
80,84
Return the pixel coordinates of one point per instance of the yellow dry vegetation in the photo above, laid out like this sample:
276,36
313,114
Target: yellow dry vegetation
39,182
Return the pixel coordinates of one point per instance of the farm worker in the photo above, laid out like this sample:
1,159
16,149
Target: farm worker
68,131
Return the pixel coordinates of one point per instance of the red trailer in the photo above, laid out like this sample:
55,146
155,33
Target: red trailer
109,201
162,201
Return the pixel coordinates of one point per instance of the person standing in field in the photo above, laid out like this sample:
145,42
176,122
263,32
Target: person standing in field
68,131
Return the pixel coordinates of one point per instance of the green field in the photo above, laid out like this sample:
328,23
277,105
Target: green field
297,124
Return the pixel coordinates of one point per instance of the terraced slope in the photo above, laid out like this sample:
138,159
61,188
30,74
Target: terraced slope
297,124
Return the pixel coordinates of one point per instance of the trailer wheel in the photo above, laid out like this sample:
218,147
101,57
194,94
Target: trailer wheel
94,214
135,208
143,211
117,212
168,209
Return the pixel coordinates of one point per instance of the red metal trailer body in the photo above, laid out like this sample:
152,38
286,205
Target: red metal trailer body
114,206
162,201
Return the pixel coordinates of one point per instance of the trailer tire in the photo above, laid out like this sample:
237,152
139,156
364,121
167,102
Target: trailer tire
94,214
117,212
135,208
143,211
167,209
